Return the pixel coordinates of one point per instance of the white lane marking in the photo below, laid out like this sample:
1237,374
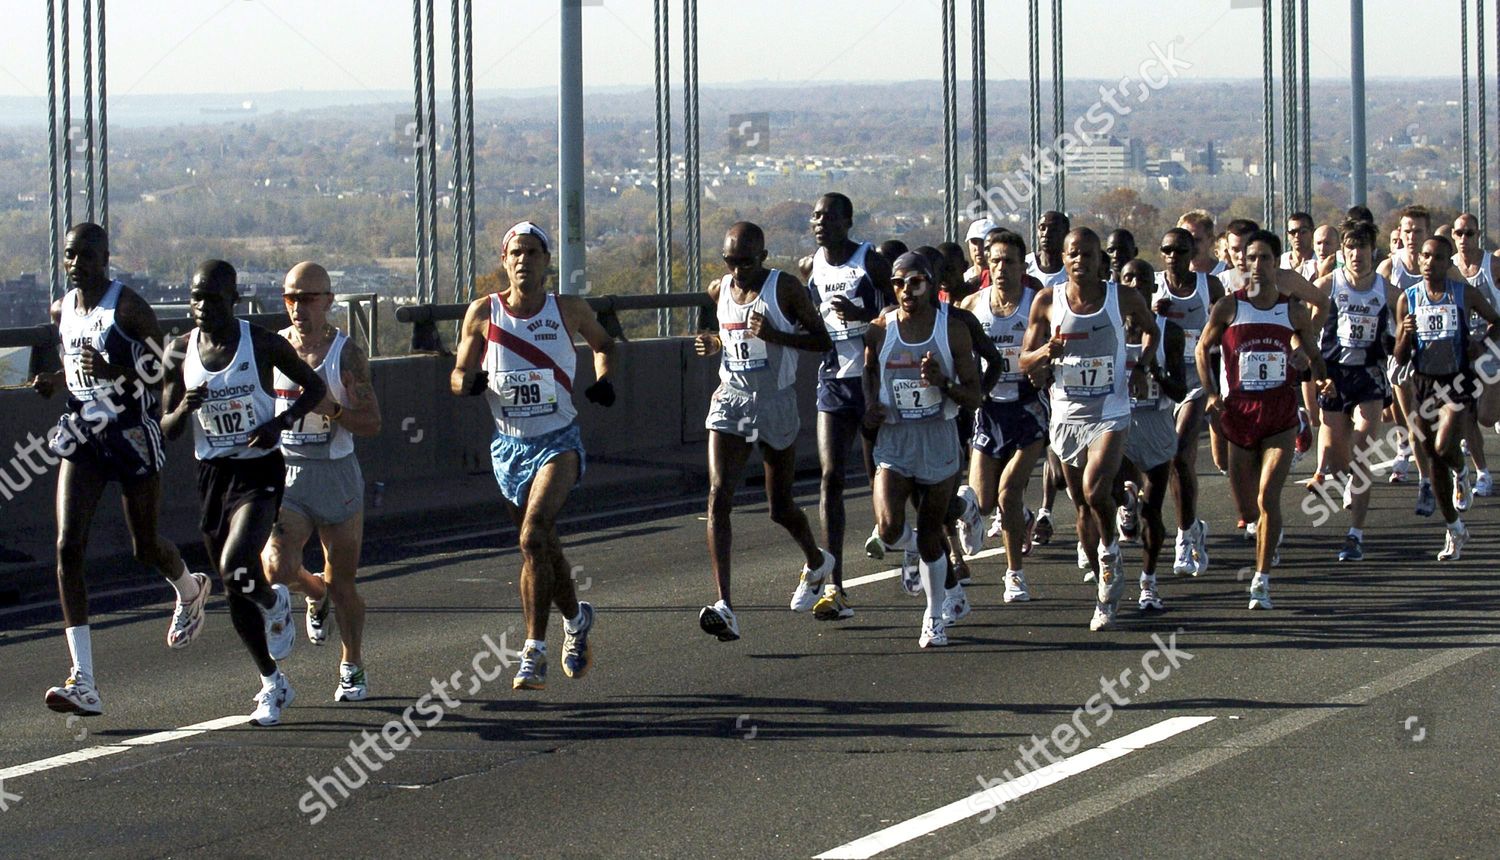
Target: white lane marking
896,571
122,746
990,798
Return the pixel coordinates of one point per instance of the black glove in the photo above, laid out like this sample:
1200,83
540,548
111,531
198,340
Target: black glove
479,383
601,392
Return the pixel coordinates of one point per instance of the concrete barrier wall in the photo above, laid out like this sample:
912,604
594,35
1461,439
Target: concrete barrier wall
428,435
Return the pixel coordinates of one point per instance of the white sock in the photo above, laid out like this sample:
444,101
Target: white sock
81,647
535,643
1456,526
907,540
1043,513
571,624
1404,449
269,681
934,574
1016,572
955,593
1148,580
185,585
1357,534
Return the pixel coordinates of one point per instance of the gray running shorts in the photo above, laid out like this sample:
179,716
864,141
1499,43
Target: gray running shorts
1153,438
1071,440
327,492
771,419
925,451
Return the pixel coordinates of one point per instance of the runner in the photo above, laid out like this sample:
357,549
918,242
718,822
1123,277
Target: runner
919,368
1184,297
1301,254
978,271
220,380
1326,249
325,489
1156,387
1263,336
1355,333
1481,271
1010,426
1046,266
764,316
1433,336
843,277
1205,256
1119,249
111,431
517,352
1078,331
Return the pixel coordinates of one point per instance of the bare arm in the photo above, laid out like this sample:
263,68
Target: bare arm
1406,329
1173,377
1213,334
1305,338
580,318
1291,282
47,383
178,403
964,389
361,415
1039,346
467,378
796,305
283,356
983,346
1137,313
874,340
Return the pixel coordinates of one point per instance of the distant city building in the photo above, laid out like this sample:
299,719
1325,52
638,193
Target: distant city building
1111,159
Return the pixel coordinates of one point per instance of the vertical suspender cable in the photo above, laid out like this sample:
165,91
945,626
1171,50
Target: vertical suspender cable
949,233
1268,79
663,165
1357,166
1061,188
103,130
471,192
88,104
948,130
1306,114
52,261
419,148
1292,181
981,121
1033,155
1483,185
691,150
432,153
459,210
1463,71
66,67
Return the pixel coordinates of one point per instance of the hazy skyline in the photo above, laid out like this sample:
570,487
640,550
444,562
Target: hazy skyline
249,46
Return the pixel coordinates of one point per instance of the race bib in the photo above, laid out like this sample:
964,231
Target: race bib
841,329
227,423
81,385
915,399
1190,347
1357,331
1087,377
311,429
1262,371
743,351
528,393
1145,391
1435,322
1010,363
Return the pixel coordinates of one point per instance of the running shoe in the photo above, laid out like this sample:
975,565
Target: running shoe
1104,618
1484,485
1426,500
280,631
997,529
352,685
1304,436
1150,599
1015,587
187,618
578,657
718,620
1026,541
1400,468
1084,564
1354,549
874,546
1240,523
911,571
1260,592
317,619
77,696
1182,559
271,699
1041,530
1251,528
1199,535
533,672
1463,490
811,583
1348,492
1453,541
961,570
934,634
955,606
833,605
970,522
1127,516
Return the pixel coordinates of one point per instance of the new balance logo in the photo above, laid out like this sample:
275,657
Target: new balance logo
244,366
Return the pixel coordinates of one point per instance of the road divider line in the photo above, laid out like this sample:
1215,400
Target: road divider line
121,746
896,571
999,795
60,761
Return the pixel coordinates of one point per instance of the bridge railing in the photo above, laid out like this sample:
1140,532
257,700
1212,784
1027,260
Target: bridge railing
424,318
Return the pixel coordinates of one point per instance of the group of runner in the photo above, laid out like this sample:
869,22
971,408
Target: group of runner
954,375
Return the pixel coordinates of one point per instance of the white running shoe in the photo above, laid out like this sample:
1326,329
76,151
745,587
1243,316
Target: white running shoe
1015,588
271,700
717,620
1484,485
77,696
1127,516
1199,538
810,586
1260,592
1182,559
1084,565
1453,541
352,685
1104,618
1400,468
911,571
833,605
874,546
1426,500
280,631
1251,528
1348,492
1150,599
1463,490
970,522
317,619
187,618
996,529
955,606
934,634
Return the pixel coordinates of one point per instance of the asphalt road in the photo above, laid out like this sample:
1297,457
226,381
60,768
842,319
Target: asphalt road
1356,719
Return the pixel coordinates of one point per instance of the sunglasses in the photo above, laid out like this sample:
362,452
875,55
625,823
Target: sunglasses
1464,232
909,281
1296,230
299,298
1168,250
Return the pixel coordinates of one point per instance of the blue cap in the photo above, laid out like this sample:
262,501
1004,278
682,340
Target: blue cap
913,262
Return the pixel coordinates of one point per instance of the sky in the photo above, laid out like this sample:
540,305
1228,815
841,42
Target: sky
249,46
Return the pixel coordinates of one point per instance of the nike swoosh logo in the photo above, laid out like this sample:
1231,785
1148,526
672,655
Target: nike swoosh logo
1102,327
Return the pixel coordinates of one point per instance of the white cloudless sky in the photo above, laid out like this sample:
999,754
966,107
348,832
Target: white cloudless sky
248,46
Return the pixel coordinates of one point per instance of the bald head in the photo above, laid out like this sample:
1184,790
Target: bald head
216,275
307,277
744,239
91,235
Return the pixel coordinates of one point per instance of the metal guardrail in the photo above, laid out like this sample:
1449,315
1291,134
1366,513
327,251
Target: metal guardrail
424,318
